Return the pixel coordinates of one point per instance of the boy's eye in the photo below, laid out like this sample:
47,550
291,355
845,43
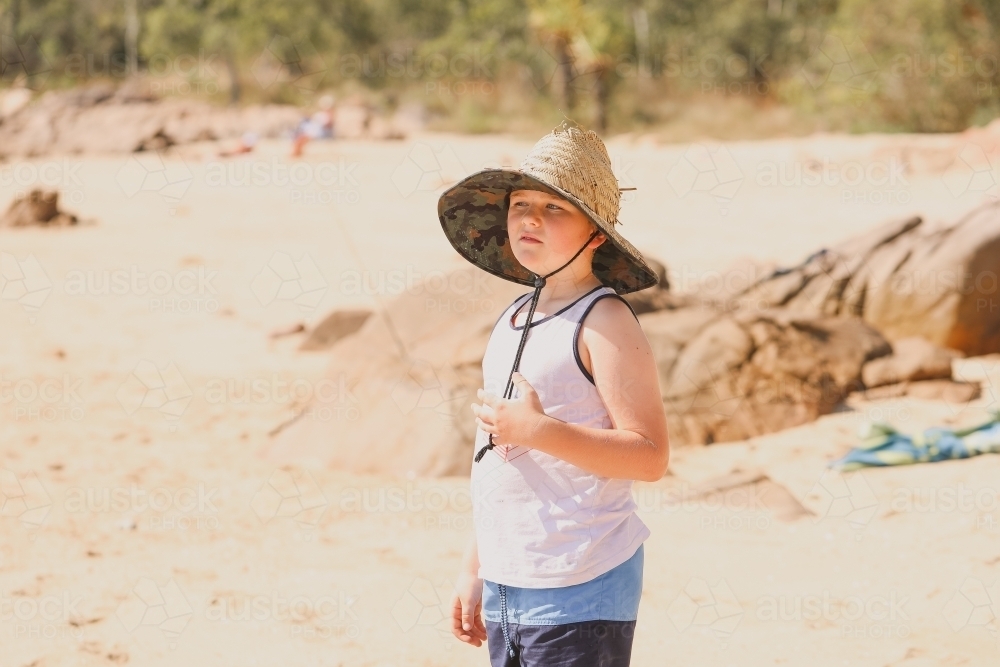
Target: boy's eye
523,204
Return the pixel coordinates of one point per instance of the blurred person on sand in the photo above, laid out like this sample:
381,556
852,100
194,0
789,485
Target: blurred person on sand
317,126
553,573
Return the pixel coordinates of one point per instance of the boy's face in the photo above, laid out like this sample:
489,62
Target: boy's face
546,230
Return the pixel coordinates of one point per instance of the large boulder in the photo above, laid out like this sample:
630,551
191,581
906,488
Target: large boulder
410,373
905,278
731,376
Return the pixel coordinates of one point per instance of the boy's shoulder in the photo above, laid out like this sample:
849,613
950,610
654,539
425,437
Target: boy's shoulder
608,307
610,326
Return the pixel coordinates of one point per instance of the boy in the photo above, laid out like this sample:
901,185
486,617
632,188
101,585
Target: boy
555,565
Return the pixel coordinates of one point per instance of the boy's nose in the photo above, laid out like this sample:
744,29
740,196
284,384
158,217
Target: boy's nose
531,227
533,216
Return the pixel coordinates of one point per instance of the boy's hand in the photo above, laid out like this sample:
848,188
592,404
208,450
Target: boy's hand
466,610
511,421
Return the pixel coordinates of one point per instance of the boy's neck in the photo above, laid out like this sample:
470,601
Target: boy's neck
567,290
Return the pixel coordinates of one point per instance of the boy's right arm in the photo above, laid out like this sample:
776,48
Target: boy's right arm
466,607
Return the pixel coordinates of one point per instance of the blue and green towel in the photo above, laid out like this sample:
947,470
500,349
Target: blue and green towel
882,445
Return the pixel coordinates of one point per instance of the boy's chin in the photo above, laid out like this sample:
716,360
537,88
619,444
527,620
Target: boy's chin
530,263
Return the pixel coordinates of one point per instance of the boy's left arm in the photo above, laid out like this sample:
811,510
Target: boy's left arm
637,445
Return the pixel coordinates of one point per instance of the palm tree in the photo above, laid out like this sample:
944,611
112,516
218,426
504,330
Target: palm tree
556,22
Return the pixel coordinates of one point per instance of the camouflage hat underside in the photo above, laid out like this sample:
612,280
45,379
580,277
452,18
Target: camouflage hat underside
473,215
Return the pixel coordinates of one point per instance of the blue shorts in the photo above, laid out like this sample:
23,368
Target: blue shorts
584,644
612,596
584,625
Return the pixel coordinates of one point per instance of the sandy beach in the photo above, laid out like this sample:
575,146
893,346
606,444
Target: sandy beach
142,370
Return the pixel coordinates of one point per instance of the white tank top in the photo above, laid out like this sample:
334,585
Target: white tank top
542,522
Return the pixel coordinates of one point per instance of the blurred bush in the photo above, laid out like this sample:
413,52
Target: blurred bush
516,65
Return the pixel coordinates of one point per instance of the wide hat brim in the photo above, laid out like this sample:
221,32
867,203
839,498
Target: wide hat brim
473,215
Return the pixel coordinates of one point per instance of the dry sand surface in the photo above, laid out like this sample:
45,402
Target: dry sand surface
151,533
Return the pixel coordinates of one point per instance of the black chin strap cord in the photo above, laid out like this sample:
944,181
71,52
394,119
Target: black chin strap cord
539,284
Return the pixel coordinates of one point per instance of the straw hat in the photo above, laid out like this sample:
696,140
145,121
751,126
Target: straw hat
569,162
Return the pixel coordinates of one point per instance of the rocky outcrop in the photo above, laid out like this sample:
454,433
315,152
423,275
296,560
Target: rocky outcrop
407,378
905,278
101,119
730,376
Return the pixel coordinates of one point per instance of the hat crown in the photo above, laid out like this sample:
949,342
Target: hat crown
577,161
570,162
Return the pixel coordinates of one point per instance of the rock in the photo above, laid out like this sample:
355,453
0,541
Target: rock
913,358
289,330
944,390
88,96
721,289
677,327
669,331
659,296
654,299
100,119
928,390
747,374
946,290
336,325
977,369
408,378
39,208
905,279
132,90
717,349
158,141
